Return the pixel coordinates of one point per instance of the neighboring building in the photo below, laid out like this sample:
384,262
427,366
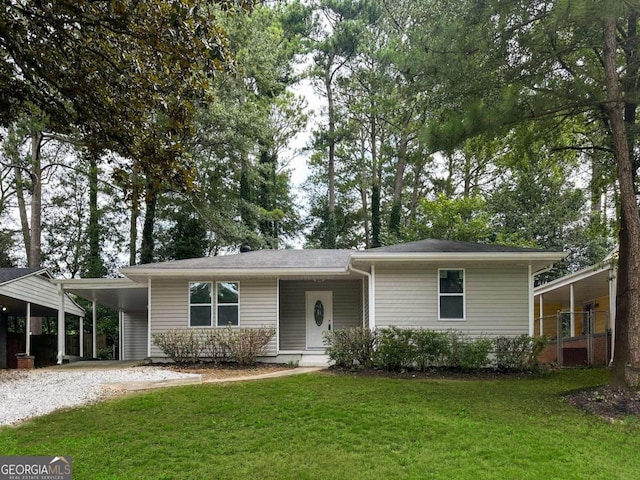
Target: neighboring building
441,285
581,306
27,293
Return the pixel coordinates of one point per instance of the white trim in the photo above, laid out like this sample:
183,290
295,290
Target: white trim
81,335
237,304
531,297
464,295
459,256
572,307
277,315
541,314
149,317
27,329
372,298
94,325
569,279
210,304
61,324
226,272
613,296
369,277
364,317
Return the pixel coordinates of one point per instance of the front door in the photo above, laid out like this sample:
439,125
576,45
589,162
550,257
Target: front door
319,308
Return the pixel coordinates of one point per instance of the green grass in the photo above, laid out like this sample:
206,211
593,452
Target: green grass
324,426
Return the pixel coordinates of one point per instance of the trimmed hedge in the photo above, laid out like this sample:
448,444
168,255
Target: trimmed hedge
397,349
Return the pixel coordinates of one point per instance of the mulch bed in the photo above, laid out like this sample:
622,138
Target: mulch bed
606,402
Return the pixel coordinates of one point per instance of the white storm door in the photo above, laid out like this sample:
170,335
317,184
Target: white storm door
319,312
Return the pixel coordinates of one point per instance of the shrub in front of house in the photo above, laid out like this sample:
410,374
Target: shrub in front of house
179,345
396,350
215,345
351,347
244,345
469,354
518,353
432,348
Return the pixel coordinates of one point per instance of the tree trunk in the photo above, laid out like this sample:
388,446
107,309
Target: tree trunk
150,202
35,250
133,219
95,267
22,209
331,230
628,295
398,186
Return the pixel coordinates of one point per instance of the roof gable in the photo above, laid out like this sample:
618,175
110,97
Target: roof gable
10,274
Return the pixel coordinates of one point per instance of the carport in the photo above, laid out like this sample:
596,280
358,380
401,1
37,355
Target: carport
125,296
29,293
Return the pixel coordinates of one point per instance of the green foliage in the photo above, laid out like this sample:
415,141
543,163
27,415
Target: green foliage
180,345
432,348
470,354
518,353
395,350
461,218
399,349
351,347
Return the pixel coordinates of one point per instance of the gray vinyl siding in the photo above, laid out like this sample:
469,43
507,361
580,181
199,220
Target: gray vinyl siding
365,303
496,298
347,308
135,335
38,290
170,305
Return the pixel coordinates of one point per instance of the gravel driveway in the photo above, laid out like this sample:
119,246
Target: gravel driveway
30,393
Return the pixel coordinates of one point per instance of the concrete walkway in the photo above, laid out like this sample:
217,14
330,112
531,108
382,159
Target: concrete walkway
139,386
98,364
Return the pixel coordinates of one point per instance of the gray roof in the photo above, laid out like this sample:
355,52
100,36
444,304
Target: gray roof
259,259
449,246
10,274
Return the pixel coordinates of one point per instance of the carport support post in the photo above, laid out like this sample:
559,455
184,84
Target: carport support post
27,328
81,335
94,318
61,326
540,310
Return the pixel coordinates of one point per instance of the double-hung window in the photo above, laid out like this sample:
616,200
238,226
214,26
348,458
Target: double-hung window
228,305
200,304
451,294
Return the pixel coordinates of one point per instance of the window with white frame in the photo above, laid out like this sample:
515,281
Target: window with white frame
200,304
451,294
228,306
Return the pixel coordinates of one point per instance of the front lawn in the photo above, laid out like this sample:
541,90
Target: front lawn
339,426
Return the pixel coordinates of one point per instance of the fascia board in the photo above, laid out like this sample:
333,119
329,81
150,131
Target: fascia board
569,279
229,272
460,256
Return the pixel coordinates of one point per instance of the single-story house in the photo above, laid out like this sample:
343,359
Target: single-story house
581,307
437,284
28,293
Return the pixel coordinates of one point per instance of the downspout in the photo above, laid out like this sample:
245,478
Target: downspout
372,323
612,309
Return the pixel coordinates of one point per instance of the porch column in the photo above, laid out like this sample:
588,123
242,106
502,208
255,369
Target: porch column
94,321
540,314
61,325
120,336
27,328
572,307
81,335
